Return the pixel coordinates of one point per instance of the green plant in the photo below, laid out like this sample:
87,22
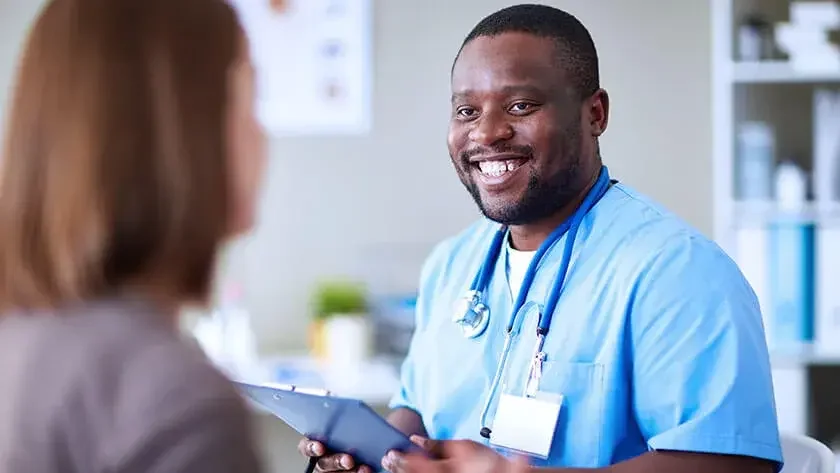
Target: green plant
339,297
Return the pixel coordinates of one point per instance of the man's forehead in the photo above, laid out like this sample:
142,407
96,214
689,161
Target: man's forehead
505,61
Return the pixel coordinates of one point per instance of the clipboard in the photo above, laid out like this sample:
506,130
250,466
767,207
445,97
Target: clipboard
342,424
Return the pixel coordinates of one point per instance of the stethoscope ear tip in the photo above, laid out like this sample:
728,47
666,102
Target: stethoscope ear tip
485,432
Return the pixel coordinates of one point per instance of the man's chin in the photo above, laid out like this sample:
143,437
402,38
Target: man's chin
500,208
502,212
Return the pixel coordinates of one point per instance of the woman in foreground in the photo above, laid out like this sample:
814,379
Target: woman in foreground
132,154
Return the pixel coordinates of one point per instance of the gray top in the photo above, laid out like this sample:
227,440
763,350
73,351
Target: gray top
110,387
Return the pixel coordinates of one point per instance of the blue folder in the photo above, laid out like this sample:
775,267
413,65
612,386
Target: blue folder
341,424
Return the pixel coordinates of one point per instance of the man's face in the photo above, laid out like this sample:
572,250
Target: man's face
515,133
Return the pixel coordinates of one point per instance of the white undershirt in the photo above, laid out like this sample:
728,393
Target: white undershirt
517,266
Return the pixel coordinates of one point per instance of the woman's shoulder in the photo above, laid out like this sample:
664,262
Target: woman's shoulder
127,390
172,410
154,393
133,352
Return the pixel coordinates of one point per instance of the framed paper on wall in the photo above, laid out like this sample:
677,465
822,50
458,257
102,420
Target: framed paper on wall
314,64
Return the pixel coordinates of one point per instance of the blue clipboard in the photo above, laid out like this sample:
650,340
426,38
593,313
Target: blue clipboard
341,424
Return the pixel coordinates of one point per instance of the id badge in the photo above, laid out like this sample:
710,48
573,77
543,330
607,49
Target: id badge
526,424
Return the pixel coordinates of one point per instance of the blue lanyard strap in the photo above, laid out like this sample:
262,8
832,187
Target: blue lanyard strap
571,225
482,278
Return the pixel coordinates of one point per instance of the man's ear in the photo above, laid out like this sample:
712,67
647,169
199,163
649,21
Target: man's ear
599,112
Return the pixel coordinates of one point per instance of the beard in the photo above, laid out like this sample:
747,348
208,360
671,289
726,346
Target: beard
544,195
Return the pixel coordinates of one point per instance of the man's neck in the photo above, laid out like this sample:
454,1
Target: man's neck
530,236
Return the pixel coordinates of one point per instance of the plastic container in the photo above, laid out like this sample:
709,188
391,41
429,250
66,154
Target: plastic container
792,257
755,159
791,187
755,39
238,351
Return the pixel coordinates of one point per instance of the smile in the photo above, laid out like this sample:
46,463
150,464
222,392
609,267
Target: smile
496,174
499,168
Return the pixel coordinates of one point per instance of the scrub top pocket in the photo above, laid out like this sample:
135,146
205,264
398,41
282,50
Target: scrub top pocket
577,439
577,436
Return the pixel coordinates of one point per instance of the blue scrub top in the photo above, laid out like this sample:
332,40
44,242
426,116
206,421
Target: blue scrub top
657,342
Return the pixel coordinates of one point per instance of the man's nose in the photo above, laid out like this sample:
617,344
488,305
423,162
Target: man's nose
490,129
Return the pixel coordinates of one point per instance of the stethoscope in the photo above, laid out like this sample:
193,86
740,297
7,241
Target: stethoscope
472,315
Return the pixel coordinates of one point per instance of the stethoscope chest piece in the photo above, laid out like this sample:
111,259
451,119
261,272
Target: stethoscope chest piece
471,314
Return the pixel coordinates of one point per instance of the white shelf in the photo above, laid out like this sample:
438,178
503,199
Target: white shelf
778,72
746,213
803,356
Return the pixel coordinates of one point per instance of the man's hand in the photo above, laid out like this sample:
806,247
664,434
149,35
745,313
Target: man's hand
334,462
404,420
454,456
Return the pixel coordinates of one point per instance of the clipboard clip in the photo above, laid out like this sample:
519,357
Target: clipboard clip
297,389
313,391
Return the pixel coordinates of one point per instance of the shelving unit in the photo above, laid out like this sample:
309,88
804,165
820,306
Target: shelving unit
777,72
745,213
805,355
741,91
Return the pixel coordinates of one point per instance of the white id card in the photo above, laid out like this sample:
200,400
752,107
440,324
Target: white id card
526,424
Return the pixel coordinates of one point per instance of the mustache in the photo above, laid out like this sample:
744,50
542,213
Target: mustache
523,150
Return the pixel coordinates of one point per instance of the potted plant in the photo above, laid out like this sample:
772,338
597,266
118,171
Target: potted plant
340,320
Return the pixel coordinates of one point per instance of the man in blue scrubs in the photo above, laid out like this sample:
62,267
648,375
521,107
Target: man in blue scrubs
655,357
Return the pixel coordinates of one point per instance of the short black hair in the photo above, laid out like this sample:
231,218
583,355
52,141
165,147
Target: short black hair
576,50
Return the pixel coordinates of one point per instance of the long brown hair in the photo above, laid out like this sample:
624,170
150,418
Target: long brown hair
114,170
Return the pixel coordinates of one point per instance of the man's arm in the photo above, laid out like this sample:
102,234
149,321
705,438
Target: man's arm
404,413
702,391
465,456
407,421
407,402
677,462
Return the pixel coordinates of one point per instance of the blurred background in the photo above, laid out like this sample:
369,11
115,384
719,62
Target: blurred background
725,111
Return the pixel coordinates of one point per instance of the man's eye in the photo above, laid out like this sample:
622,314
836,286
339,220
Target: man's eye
465,112
521,107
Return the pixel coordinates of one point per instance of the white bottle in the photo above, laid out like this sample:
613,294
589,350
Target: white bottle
239,345
791,187
755,159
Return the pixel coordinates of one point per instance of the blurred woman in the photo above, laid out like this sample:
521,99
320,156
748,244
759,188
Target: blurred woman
132,153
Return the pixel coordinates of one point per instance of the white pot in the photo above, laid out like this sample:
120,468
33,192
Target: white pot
348,340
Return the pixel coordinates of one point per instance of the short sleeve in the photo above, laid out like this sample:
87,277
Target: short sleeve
701,368
407,395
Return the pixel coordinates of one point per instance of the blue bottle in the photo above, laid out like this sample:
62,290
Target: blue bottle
792,281
792,239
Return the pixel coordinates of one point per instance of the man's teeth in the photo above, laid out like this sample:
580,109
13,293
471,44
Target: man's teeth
497,168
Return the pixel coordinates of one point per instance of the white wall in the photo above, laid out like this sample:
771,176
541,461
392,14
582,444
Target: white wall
331,203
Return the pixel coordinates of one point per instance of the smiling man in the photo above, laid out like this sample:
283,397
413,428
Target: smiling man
577,323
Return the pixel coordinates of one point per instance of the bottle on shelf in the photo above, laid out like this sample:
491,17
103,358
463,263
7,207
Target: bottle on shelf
791,184
791,261
238,348
826,172
755,39
756,154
